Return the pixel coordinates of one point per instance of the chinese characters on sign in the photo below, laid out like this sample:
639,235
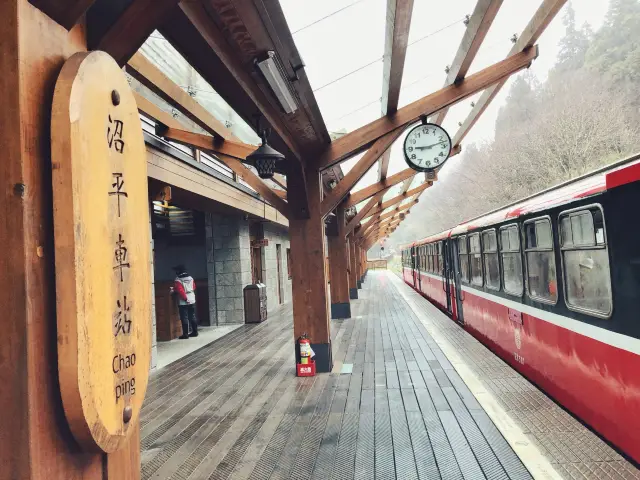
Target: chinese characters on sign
122,320
121,257
118,191
114,138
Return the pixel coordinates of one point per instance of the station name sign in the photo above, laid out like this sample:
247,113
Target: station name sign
102,251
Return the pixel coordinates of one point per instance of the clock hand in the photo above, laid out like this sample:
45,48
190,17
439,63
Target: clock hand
430,146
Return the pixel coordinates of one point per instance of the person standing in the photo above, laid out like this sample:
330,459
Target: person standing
185,288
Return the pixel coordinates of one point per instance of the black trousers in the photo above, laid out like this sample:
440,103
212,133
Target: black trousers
188,316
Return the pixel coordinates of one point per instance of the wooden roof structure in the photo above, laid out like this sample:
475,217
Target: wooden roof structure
221,39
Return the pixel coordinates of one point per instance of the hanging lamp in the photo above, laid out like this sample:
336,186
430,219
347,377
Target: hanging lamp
265,158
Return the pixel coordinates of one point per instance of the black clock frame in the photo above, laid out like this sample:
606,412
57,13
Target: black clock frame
404,148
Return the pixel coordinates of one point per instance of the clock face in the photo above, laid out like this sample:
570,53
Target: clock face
426,147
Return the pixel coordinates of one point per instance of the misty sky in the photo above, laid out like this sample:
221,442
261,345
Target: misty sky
353,39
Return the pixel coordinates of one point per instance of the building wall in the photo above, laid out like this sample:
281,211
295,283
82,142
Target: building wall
228,266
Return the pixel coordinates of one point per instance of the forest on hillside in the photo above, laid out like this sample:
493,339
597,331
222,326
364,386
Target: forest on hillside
585,115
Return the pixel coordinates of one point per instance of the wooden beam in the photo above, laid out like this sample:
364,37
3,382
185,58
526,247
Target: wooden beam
280,180
199,17
398,198
358,140
281,193
256,183
131,28
536,26
364,193
150,109
150,76
383,166
483,16
206,142
360,215
395,50
358,171
66,12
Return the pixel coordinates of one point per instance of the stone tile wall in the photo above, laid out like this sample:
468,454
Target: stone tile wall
228,266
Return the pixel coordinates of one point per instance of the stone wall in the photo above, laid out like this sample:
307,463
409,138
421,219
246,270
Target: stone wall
277,235
228,266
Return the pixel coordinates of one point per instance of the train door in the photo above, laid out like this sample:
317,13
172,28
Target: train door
420,266
457,280
414,264
448,274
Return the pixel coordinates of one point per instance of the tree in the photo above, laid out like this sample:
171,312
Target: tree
574,45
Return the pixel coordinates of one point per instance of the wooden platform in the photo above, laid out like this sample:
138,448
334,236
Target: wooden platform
393,407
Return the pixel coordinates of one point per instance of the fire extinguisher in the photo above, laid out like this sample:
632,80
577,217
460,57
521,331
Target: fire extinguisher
304,347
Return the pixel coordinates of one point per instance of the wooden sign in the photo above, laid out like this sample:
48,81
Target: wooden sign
263,242
102,253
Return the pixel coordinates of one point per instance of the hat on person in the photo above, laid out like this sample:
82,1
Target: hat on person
179,268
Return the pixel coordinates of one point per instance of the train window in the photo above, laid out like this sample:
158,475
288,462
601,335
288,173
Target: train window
490,259
585,261
464,259
475,258
511,260
434,258
541,261
440,258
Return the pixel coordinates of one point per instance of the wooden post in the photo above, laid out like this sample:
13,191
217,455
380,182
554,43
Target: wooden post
35,439
309,276
358,260
353,279
338,269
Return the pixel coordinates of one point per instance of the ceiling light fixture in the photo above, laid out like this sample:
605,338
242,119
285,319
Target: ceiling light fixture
275,76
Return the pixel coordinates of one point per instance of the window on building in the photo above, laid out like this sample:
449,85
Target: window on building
511,260
585,260
464,258
475,259
490,259
289,263
541,262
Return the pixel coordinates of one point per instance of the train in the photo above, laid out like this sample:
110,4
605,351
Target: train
551,284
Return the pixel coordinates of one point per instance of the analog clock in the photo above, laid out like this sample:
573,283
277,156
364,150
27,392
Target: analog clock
426,147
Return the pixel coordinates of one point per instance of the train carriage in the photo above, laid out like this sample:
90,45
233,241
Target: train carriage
552,285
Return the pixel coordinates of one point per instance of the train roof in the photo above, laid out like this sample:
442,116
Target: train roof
609,177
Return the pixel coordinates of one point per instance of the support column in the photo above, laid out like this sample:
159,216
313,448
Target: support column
35,439
338,269
353,279
358,266
309,278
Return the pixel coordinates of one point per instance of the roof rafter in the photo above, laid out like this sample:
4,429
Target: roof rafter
156,81
536,26
129,28
395,51
479,23
360,139
397,199
361,195
360,215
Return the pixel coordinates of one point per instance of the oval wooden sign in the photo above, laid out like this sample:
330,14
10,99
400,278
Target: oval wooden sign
102,251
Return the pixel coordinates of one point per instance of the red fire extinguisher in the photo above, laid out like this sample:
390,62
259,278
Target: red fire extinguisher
306,367
304,346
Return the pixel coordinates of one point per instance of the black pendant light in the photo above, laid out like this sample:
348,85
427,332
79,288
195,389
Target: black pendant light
265,158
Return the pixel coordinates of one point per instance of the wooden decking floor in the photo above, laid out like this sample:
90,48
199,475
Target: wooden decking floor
393,407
